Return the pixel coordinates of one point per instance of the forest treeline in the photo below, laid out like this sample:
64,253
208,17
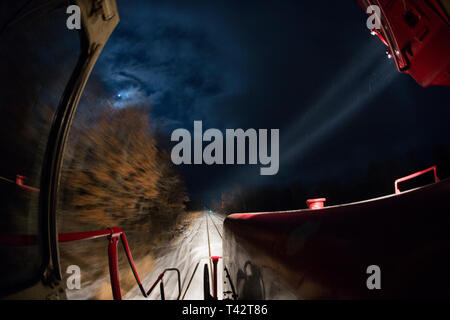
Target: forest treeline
115,175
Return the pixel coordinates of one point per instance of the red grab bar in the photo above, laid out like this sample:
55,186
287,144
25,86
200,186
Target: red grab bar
411,176
112,234
160,278
20,183
215,260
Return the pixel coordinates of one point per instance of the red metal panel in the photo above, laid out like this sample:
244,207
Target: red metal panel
114,267
323,254
315,204
75,236
417,33
131,262
215,261
411,176
114,235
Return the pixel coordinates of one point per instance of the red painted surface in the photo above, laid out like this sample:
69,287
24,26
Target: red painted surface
114,235
20,183
160,280
414,175
417,33
215,261
315,204
75,236
323,254
155,283
114,266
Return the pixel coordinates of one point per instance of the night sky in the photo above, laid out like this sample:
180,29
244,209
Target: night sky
307,68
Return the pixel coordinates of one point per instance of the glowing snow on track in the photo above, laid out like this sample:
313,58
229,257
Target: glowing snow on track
192,248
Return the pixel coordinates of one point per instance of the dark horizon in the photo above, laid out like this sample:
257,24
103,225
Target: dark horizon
316,74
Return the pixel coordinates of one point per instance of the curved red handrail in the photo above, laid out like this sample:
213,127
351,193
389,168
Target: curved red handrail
416,174
114,235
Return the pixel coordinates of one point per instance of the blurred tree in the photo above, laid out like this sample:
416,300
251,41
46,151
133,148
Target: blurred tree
117,176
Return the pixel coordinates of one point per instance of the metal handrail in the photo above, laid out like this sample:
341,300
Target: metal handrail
113,235
416,174
19,182
160,278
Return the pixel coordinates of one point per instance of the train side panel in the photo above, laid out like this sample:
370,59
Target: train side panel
326,253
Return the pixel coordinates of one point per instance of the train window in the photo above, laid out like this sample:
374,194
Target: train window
37,56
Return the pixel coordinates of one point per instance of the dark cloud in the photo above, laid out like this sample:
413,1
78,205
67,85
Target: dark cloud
311,70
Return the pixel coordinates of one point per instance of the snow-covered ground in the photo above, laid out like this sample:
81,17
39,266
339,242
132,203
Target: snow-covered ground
189,254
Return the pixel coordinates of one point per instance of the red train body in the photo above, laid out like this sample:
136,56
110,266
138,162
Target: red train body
417,34
325,253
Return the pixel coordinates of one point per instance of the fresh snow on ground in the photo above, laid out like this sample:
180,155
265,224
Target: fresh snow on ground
190,248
